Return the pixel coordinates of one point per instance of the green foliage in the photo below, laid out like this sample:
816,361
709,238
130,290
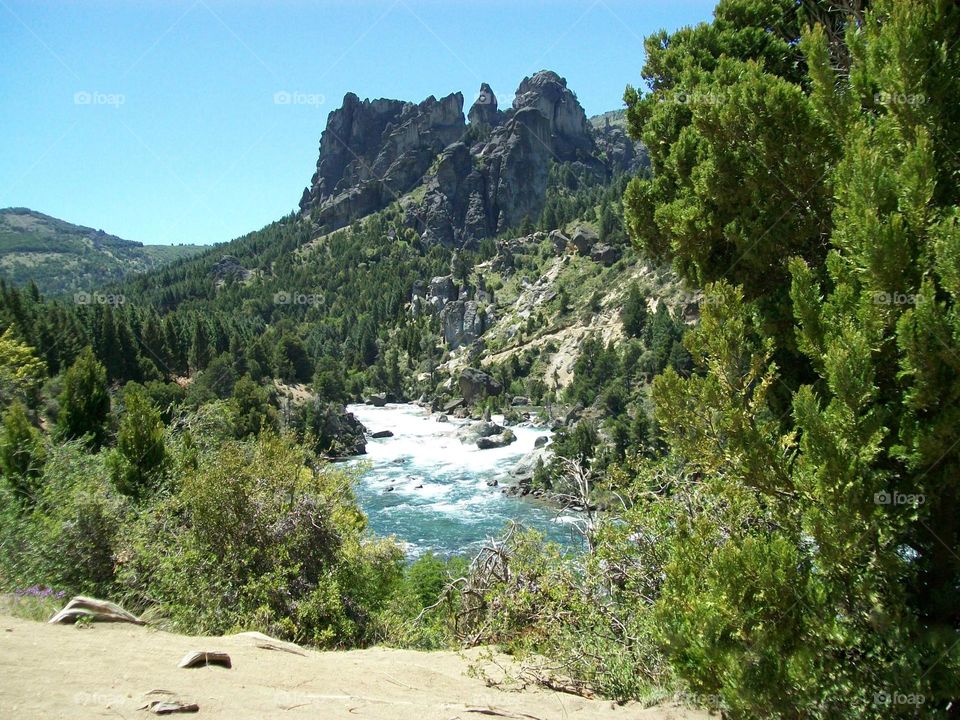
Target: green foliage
21,371
138,462
22,453
67,538
59,257
634,313
84,401
821,534
284,543
253,412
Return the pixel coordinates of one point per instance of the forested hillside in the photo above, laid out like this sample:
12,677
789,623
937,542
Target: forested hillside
734,303
62,258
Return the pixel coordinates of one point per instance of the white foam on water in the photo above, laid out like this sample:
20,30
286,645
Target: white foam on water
455,509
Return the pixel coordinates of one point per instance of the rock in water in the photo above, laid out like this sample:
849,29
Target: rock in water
336,424
497,441
381,434
470,434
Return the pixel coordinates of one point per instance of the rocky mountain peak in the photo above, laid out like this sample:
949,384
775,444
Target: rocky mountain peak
476,184
484,110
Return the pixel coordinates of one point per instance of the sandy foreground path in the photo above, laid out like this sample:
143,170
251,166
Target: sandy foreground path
105,671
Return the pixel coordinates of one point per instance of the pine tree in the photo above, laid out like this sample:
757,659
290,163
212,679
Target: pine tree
200,350
140,456
84,401
634,312
22,454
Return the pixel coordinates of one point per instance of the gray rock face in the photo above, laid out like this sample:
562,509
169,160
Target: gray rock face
605,254
229,268
463,322
345,432
583,240
484,111
623,154
373,151
476,384
523,471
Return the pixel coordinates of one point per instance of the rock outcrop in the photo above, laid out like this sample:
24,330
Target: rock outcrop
371,152
475,385
478,180
464,314
484,111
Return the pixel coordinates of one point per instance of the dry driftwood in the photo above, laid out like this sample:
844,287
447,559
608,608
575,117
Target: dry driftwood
97,610
202,658
168,707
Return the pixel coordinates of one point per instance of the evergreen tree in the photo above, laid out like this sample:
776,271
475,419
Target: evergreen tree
829,533
21,451
84,401
200,350
140,455
634,312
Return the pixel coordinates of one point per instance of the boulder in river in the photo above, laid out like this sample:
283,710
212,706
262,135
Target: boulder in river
453,405
541,441
378,400
381,434
523,471
469,434
497,441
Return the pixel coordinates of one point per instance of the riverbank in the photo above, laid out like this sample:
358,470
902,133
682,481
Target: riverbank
58,671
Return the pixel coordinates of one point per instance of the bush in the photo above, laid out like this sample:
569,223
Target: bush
254,539
67,540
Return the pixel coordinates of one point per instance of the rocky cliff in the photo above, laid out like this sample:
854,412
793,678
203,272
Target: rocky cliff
474,179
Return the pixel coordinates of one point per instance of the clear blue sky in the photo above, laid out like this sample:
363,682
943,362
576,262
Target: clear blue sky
156,120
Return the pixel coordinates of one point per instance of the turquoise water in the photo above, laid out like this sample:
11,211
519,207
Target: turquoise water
455,510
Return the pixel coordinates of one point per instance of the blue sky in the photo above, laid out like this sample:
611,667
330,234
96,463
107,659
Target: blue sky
156,120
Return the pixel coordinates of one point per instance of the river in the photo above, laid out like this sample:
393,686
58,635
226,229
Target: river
440,500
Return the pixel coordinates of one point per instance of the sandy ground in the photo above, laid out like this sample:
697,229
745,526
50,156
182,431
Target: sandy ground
106,671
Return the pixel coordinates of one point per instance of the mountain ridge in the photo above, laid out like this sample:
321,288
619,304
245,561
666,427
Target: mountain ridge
62,257
475,176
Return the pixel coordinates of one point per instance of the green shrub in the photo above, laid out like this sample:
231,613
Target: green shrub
254,539
67,540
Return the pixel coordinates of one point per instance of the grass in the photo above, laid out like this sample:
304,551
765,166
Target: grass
36,603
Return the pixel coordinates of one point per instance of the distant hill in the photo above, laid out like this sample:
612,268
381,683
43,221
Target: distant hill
61,257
